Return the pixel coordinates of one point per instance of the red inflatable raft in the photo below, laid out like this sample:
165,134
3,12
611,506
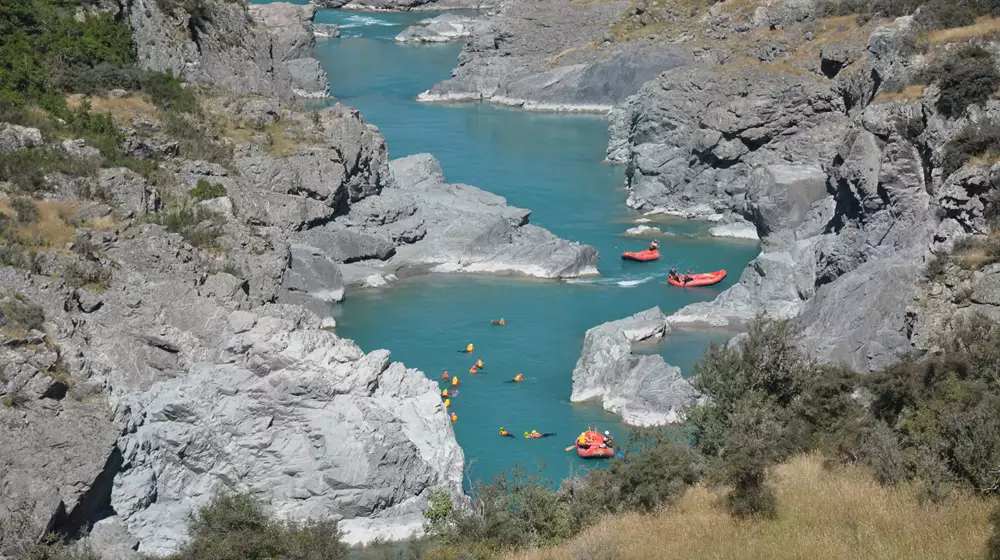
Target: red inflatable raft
703,279
593,446
642,256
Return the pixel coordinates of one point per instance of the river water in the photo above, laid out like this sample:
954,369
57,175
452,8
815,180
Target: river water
551,164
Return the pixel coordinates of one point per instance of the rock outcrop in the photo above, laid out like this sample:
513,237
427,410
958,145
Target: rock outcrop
264,49
459,228
836,189
538,55
643,389
441,29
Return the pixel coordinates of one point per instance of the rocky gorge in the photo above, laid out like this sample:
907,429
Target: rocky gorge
789,129
175,347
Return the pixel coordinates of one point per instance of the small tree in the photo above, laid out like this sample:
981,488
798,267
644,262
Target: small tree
26,210
993,545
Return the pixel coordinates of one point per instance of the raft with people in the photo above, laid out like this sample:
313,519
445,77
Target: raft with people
641,256
700,279
594,445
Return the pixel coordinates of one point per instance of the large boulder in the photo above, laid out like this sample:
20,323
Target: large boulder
14,137
459,228
644,390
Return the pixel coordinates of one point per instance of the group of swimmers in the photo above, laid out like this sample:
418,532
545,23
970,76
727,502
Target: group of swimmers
533,434
476,369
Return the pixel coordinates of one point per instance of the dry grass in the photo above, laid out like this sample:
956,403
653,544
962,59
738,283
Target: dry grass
282,142
51,230
125,109
984,27
975,253
835,514
909,93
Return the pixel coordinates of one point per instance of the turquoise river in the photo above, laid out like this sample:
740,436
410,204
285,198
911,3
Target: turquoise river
551,164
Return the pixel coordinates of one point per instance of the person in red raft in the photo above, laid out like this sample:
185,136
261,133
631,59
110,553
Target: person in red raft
677,277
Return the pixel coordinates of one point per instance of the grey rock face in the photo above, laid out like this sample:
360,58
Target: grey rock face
441,29
840,203
80,150
221,44
533,55
127,191
14,137
643,389
308,78
459,228
326,30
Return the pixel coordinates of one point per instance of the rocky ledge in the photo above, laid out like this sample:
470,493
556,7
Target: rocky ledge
460,228
643,389
552,55
441,29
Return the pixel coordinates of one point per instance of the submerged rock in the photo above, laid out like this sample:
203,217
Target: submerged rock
644,390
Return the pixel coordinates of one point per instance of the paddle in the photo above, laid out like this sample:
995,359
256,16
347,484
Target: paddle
570,448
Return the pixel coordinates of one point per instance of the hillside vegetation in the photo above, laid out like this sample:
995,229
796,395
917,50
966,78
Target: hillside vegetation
926,426
825,513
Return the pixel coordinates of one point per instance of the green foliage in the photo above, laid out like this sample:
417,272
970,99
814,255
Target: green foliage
19,312
972,141
966,77
932,14
37,36
654,470
198,227
167,92
26,210
518,509
439,506
193,140
86,273
239,527
207,191
14,399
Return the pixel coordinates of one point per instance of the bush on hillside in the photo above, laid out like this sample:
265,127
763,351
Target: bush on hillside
966,77
239,527
19,312
198,227
167,91
26,210
205,190
973,141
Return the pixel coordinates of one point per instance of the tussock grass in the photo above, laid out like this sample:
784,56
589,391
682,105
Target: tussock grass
836,514
50,230
911,92
124,109
984,27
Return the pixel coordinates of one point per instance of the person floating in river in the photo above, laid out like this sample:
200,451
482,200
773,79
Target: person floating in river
455,382
500,323
505,433
447,403
468,349
445,375
473,370
517,378
454,417
479,364
535,435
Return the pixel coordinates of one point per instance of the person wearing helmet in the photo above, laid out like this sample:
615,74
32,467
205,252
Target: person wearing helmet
505,433
499,323
655,245
469,349
454,417
445,375
479,364
610,441
673,274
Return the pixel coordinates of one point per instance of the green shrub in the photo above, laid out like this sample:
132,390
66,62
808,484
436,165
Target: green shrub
85,273
15,399
439,506
192,139
26,210
239,527
198,227
27,169
655,469
20,312
207,191
972,141
966,77
167,92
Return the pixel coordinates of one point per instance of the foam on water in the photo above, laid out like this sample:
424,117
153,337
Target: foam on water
363,21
